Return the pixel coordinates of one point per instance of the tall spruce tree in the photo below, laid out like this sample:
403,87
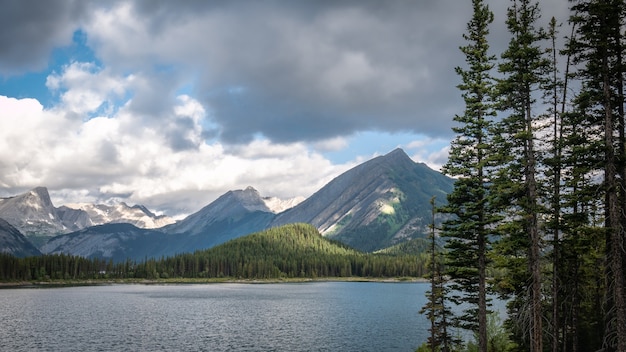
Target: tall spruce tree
581,246
470,230
525,69
599,51
556,96
437,308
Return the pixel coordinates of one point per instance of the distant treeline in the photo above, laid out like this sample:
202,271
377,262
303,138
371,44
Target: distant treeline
290,251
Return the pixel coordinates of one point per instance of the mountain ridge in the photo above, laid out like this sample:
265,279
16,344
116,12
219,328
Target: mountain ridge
137,215
36,217
379,203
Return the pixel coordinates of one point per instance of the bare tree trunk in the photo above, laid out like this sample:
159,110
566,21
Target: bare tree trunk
558,135
533,231
482,295
433,278
621,165
615,230
482,272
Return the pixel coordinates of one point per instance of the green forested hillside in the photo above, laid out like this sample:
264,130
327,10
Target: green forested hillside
416,246
294,250
289,251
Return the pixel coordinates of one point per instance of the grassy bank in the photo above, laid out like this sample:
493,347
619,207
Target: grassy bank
189,281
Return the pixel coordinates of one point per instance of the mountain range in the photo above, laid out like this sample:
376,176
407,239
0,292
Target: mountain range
379,203
34,215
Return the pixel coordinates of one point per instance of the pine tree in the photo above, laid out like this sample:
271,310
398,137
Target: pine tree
437,308
526,69
599,52
469,231
556,94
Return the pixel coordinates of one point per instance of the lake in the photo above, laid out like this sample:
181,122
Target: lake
315,316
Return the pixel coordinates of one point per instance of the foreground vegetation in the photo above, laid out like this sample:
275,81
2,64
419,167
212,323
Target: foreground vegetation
539,160
287,252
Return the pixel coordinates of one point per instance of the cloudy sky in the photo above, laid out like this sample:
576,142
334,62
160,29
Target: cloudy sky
172,103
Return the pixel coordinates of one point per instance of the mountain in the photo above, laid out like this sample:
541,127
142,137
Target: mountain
118,241
137,215
278,205
234,214
34,215
376,204
13,242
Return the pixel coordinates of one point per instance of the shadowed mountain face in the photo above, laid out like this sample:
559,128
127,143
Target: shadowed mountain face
13,242
377,204
113,241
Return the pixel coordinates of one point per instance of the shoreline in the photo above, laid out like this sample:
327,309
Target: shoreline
182,281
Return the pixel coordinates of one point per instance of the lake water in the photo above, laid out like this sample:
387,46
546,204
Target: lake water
317,316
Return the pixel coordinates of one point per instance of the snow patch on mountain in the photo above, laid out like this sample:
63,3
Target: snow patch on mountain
277,205
122,213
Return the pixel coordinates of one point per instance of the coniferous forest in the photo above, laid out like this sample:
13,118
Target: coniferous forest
289,251
540,198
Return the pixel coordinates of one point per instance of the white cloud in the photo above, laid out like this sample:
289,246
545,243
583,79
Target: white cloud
431,151
84,87
272,84
116,157
331,144
310,72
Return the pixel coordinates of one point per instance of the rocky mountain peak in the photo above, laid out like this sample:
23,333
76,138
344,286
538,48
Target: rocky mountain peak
137,215
41,195
397,155
229,208
143,209
248,198
384,199
32,213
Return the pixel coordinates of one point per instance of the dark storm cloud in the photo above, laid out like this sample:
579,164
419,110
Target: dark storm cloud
177,134
316,70
287,70
32,28
328,69
348,68
154,94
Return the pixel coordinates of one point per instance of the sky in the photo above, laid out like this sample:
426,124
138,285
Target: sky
170,104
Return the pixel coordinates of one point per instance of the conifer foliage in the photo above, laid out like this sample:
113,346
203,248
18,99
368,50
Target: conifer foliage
289,251
469,232
598,49
437,307
540,192
525,69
